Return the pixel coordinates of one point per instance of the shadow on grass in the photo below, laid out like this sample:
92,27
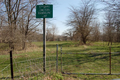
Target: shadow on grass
87,50
86,59
25,76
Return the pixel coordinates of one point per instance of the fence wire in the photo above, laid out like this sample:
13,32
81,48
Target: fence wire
5,73
90,63
28,69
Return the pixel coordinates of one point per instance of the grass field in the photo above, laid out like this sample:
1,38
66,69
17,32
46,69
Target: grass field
28,63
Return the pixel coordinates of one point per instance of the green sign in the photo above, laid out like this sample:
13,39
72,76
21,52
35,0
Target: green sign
44,11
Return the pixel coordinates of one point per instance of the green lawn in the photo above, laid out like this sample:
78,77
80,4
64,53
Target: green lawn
29,62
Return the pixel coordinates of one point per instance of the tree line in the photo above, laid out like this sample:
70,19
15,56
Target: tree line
85,26
19,25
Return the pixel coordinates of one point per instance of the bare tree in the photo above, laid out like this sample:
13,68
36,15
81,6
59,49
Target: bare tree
48,34
54,31
51,32
12,11
81,19
28,22
117,28
19,18
109,27
69,33
95,32
114,7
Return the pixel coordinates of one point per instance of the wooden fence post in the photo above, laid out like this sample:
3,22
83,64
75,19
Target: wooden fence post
110,60
61,59
56,58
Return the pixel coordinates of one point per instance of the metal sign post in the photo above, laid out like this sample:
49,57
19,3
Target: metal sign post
44,45
44,11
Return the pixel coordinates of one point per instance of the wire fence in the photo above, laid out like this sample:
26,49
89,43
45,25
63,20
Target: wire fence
5,72
27,69
31,68
90,63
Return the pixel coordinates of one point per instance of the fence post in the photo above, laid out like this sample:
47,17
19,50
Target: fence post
11,64
110,59
61,59
56,58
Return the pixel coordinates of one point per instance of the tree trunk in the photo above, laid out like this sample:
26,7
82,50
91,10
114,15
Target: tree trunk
84,40
108,43
11,45
23,45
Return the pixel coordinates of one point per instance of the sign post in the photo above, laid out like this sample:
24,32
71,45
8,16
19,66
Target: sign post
44,11
44,45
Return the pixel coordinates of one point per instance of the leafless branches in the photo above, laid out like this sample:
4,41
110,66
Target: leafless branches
112,20
18,21
81,19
